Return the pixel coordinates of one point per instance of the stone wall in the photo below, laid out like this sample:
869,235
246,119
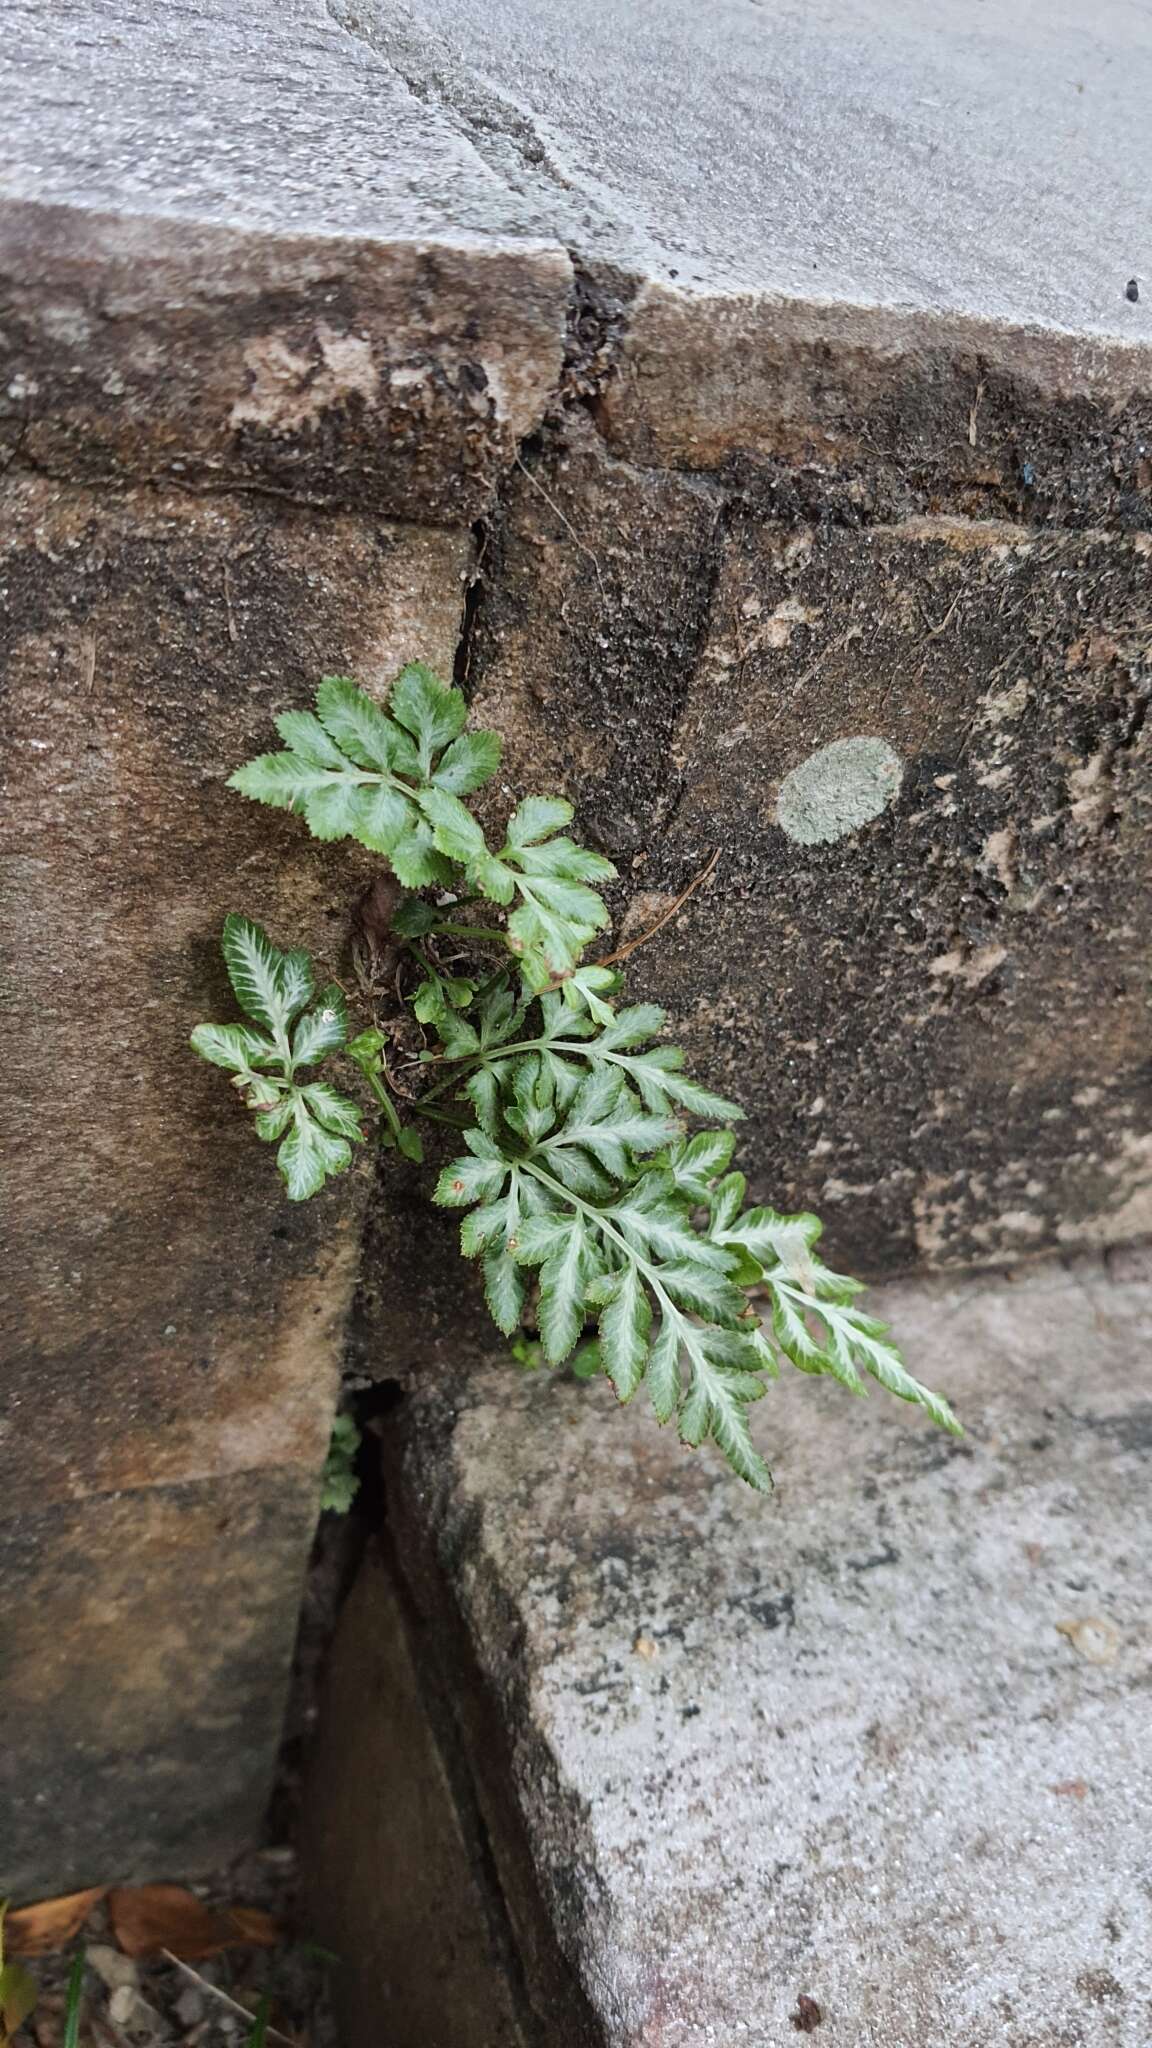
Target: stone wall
173,1330
918,744
316,356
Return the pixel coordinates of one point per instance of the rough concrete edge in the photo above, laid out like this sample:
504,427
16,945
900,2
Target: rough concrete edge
98,228
476,1742
506,139
515,147
502,303
1076,365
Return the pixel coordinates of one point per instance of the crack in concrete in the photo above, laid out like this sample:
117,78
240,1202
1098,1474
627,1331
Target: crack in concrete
479,113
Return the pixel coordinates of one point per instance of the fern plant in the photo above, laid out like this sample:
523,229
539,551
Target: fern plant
588,1197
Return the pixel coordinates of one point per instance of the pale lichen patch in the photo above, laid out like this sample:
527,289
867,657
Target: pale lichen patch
838,789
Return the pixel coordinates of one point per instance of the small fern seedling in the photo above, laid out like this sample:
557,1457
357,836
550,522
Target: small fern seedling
339,1482
589,1199
316,1126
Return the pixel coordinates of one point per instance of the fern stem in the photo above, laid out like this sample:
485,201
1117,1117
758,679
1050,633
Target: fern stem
443,1116
385,1101
469,931
586,1047
597,1216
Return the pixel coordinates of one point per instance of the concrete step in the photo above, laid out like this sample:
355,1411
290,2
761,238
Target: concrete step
871,1756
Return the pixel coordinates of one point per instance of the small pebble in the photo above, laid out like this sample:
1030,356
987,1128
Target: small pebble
113,1969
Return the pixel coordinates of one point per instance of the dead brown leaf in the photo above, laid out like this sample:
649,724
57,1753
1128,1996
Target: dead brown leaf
149,1917
50,1923
255,1927
1070,1788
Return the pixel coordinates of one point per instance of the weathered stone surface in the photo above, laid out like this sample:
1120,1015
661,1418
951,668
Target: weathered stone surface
875,412
849,298
308,284
169,1318
594,616
875,153
931,995
798,517
879,1742
380,377
147,1635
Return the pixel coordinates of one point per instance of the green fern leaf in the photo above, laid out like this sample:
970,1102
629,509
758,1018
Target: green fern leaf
322,1030
304,736
455,830
470,1178
383,817
333,1110
563,1279
309,1155
361,729
664,1369
272,1121
416,862
468,763
504,1290
269,985
235,1046
537,818
428,709
625,1323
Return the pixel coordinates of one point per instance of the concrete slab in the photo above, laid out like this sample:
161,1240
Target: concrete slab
990,162
230,113
236,248
856,240
879,1744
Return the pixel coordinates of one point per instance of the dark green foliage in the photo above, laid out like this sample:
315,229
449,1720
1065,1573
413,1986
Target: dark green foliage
588,1202
340,1483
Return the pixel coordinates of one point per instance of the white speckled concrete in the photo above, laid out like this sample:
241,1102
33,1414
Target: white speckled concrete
853,1743
987,157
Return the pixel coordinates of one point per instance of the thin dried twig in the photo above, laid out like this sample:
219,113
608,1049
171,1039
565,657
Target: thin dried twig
233,635
973,410
622,952
206,1985
934,632
562,516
